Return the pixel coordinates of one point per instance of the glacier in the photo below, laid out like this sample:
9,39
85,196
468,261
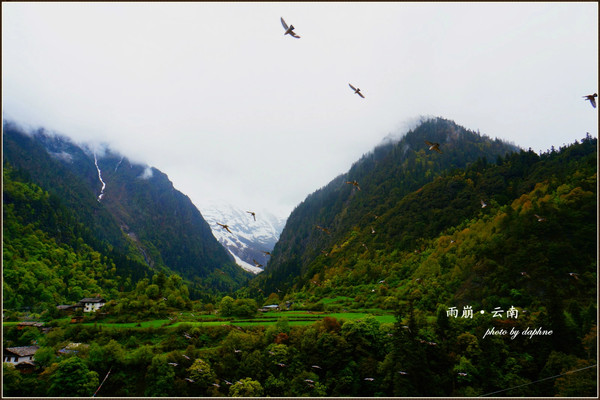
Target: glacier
249,239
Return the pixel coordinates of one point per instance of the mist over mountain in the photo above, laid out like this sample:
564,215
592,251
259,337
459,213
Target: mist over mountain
132,207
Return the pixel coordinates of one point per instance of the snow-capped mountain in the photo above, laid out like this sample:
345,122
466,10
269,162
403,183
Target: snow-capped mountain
251,235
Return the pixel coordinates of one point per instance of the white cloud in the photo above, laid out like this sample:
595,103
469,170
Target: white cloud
215,95
147,174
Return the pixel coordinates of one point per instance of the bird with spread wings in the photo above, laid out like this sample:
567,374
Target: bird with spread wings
289,30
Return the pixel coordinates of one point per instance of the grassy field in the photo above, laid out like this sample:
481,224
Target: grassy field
157,323
294,318
338,299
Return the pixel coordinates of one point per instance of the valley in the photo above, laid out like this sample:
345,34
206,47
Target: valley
384,282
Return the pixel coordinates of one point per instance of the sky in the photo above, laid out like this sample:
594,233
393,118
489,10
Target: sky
217,97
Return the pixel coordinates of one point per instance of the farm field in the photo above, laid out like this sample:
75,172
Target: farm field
295,318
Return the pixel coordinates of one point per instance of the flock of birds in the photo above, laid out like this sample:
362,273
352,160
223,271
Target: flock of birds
433,146
237,351
289,30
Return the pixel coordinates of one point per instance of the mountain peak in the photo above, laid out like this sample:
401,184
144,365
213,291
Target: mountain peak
385,175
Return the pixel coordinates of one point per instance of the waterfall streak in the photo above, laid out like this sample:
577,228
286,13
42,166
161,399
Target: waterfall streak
100,177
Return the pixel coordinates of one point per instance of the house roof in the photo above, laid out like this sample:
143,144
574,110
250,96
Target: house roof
23,351
92,300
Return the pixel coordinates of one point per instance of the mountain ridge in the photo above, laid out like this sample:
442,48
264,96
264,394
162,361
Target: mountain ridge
388,172
134,207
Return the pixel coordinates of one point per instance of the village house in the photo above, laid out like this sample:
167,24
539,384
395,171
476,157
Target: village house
24,324
18,355
91,304
270,307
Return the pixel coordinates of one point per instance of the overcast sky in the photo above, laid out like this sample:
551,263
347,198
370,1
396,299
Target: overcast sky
215,95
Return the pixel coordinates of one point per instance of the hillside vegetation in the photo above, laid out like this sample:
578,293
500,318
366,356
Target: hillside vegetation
54,216
385,176
464,273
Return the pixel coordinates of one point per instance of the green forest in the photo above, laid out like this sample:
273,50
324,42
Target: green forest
467,273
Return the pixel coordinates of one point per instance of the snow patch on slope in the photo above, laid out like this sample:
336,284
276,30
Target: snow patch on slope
249,238
244,265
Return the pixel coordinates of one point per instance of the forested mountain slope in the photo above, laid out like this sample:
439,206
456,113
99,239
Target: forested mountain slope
534,241
384,176
127,212
50,257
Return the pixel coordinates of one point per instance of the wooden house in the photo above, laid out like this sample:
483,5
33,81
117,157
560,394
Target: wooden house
17,355
33,324
270,307
91,304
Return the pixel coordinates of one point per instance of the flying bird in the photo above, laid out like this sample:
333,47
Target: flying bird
316,367
591,98
525,274
540,219
256,263
189,380
574,275
267,253
173,364
289,29
252,213
369,379
403,372
433,146
354,183
357,91
483,204
226,227
463,374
